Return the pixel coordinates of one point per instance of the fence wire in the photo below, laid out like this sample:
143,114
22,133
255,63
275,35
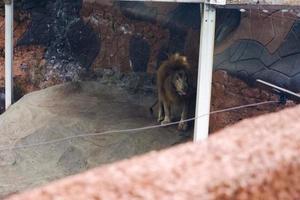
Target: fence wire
132,130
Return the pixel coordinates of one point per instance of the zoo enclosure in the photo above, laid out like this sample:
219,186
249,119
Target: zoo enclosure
206,51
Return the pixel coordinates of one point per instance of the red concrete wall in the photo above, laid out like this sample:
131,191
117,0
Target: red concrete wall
255,159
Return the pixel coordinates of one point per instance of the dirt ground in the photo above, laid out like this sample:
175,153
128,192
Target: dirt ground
68,110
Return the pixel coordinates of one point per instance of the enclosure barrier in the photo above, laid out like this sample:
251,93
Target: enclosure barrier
9,14
255,159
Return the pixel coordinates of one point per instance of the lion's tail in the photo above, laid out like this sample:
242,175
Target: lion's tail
151,108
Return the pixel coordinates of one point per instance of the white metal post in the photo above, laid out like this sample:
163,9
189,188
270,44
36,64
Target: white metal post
205,70
9,13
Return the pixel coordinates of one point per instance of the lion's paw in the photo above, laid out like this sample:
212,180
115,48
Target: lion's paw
182,126
165,121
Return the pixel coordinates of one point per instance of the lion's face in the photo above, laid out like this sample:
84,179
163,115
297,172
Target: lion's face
180,82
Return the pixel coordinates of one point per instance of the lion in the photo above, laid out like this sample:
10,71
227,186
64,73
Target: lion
174,88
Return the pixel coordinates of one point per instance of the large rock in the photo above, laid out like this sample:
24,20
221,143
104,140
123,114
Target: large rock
74,109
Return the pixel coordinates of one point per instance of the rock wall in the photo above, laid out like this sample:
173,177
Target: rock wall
27,61
255,159
264,46
71,45
229,92
85,35
137,36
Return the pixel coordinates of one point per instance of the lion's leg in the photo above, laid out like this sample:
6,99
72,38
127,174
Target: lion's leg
160,111
183,125
167,110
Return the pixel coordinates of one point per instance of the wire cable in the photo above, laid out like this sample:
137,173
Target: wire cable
10,147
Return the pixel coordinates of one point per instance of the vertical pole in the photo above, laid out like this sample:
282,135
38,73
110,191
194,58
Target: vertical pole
9,13
205,70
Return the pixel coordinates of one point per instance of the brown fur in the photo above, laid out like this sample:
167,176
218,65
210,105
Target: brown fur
173,85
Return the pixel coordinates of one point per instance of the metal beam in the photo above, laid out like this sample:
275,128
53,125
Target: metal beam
215,2
9,13
264,2
205,71
239,3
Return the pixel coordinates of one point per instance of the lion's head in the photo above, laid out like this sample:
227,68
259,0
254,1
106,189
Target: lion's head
180,81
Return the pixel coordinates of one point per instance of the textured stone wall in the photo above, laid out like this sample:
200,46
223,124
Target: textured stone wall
84,35
264,46
71,45
137,36
65,40
255,159
27,60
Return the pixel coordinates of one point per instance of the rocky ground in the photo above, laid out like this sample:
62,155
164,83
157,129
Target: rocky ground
70,110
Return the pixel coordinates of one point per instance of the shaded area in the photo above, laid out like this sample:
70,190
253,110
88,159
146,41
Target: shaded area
138,11
2,100
181,20
227,20
139,53
17,92
177,21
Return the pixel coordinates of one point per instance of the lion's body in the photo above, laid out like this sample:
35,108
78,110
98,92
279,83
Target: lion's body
174,88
